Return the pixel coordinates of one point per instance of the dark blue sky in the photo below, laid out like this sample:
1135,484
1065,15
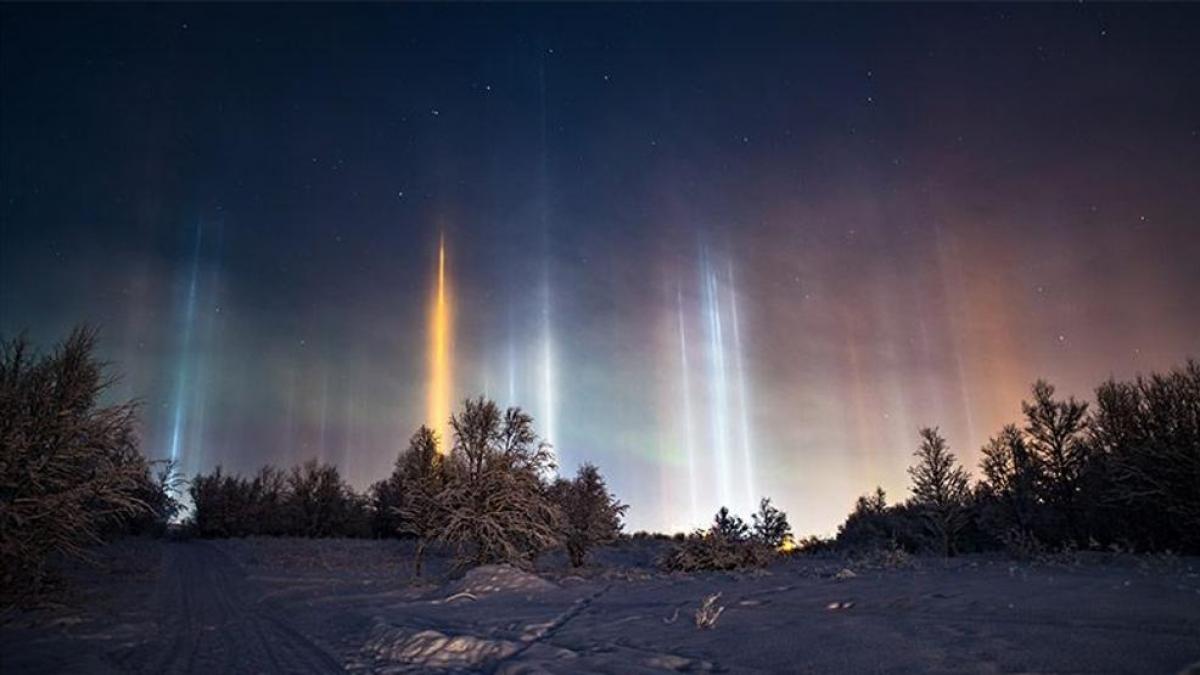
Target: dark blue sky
718,249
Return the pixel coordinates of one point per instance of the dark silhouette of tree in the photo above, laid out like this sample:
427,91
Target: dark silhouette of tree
69,467
729,527
876,502
1126,475
940,489
495,504
267,503
771,527
221,505
319,502
1011,477
311,500
385,499
1146,434
867,525
160,490
591,514
709,551
421,475
728,544
1055,437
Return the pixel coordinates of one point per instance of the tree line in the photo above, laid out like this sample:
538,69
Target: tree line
1120,473
491,497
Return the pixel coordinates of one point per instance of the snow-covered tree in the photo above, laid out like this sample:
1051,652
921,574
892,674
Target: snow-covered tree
495,506
591,514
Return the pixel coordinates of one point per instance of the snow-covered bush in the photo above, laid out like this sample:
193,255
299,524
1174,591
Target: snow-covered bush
591,514
710,551
70,469
726,545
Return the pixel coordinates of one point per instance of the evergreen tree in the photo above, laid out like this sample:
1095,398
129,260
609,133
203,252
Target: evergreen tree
591,515
1011,476
771,527
728,526
940,489
1055,437
419,478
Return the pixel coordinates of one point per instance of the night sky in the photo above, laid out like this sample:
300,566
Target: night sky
720,251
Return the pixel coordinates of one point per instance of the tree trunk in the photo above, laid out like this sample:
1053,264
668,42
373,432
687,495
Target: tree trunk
419,557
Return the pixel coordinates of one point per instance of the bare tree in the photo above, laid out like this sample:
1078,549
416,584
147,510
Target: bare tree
68,466
495,504
268,498
319,503
1148,434
940,489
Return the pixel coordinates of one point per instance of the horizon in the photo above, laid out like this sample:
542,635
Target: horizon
725,254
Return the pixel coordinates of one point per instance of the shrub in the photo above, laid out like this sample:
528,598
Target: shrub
873,525
813,545
69,468
710,551
725,546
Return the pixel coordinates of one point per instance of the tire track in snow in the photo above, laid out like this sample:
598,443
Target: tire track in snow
211,621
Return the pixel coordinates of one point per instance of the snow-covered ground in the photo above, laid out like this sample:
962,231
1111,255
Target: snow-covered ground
297,606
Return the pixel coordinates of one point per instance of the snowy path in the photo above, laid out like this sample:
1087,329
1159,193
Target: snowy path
303,606
210,620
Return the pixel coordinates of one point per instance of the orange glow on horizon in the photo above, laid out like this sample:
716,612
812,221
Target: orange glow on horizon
439,362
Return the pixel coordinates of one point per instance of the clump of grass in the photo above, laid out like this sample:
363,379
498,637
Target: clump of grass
708,612
710,551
